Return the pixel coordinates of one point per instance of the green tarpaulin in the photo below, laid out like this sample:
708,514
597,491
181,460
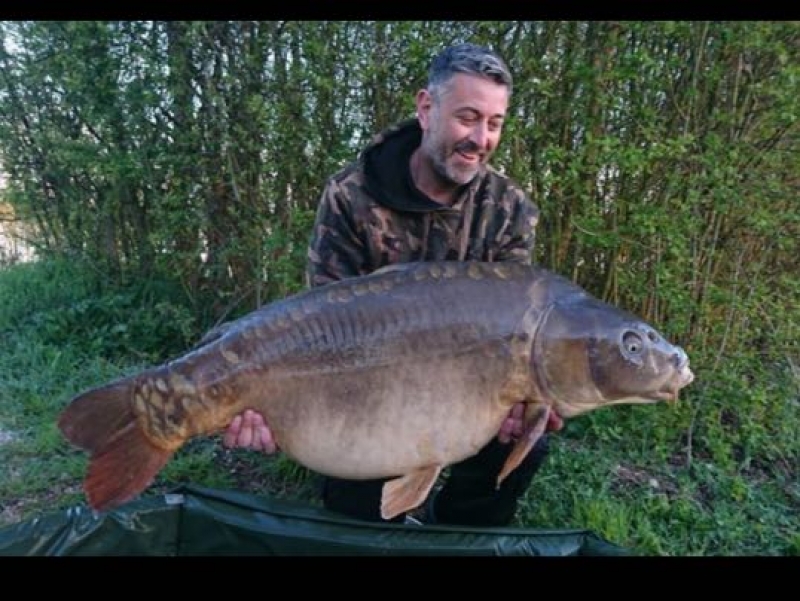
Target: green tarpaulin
195,521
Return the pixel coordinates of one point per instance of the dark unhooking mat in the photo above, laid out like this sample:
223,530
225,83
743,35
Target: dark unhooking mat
195,521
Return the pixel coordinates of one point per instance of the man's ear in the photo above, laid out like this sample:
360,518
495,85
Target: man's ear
424,103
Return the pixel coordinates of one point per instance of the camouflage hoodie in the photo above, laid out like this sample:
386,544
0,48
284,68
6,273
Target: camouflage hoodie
371,214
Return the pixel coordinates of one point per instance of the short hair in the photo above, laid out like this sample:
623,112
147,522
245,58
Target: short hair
471,59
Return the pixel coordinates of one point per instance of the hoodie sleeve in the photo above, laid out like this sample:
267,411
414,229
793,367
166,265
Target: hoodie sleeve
517,240
336,250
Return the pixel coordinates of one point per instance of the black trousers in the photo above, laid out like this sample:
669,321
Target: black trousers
469,496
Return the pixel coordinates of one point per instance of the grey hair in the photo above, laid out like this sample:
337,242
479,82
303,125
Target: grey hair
471,59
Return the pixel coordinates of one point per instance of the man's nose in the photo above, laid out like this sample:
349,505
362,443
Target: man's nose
480,135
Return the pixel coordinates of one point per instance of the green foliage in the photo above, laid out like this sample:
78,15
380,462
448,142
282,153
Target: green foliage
622,489
117,325
65,304
27,288
287,249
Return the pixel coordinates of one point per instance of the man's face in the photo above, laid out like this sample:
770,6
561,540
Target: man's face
462,129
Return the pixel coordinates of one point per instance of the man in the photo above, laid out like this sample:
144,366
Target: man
422,191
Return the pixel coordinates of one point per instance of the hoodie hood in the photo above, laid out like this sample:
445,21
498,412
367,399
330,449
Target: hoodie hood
387,169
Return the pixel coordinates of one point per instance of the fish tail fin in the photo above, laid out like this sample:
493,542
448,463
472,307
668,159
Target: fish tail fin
123,460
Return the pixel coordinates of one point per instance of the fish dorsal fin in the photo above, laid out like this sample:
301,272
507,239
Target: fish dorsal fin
536,417
409,491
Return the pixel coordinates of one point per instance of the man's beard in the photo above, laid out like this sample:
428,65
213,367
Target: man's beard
448,172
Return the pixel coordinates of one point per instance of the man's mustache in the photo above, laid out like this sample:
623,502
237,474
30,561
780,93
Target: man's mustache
468,147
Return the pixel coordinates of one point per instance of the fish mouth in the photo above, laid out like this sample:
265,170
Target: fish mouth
671,392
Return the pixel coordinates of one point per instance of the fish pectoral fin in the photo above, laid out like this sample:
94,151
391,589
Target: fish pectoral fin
407,492
536,417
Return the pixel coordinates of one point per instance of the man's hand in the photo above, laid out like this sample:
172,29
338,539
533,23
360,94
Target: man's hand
249,430
511,429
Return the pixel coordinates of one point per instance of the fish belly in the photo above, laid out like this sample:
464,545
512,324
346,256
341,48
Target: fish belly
381,421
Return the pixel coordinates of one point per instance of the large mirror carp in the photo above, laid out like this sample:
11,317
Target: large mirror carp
399,373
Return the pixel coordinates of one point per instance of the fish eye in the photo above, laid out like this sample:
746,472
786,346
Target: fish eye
632,342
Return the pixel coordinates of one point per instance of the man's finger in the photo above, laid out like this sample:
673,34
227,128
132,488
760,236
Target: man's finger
517,411
232,433
245,438
267,442
506,431
555,422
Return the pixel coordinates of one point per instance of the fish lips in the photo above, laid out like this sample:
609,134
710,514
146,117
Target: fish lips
671,392
687,378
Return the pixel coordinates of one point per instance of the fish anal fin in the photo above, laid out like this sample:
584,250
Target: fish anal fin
536,417
409,491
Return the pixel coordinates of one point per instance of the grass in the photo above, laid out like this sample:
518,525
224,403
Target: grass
715,475
666,508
